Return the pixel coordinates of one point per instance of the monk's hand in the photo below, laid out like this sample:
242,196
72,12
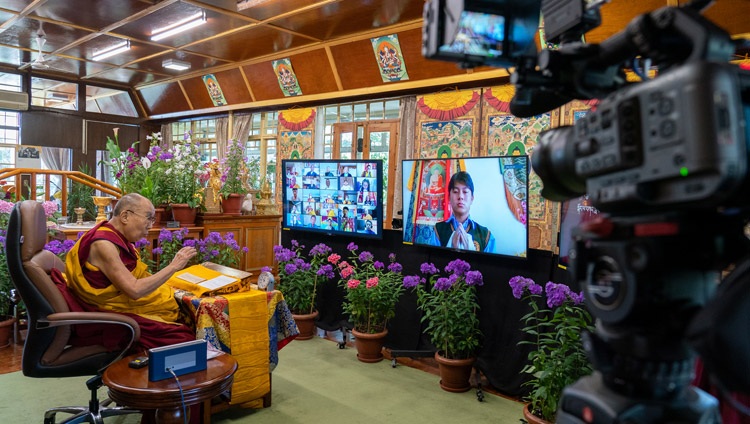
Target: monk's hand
183,256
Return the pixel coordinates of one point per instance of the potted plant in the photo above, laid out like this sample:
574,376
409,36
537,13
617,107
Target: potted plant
372,290
298,281
183,171
449,308
80,195
233,178
6,285
558,358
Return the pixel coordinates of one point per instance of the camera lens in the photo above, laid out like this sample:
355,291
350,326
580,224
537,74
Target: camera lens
554,161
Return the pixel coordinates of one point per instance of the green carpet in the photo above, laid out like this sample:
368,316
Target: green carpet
315,382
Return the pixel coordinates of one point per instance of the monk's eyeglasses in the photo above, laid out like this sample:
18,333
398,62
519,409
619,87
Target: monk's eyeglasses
150,219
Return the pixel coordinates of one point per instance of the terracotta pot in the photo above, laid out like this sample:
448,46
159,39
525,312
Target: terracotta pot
158,216
6,330
531,418
305,325
369,346
165,216
232,205
184,214
454,373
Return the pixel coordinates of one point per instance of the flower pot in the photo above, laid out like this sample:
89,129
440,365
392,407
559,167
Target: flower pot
531,418
6,330
184,214
232,205
454,373
305,325
369,346
158,216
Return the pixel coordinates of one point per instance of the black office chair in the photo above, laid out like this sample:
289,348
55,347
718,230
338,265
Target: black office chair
50,349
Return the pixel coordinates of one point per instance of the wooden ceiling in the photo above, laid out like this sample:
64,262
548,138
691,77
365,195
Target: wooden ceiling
327,42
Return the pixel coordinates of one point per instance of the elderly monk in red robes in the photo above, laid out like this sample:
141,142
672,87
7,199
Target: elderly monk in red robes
105,273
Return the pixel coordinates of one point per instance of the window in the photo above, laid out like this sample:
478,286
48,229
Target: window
374,110
107,100
201,130
10,125
260,147
54,94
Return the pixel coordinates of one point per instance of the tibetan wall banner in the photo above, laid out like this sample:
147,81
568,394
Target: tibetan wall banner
214,90
287,78
390,60
297,119
445,139
295,145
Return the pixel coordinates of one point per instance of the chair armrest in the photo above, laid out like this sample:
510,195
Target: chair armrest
108,318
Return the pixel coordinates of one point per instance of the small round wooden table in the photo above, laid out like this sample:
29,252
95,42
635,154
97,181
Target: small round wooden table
131,387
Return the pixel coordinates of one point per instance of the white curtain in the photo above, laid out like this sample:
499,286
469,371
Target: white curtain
241,126
57,158
222,136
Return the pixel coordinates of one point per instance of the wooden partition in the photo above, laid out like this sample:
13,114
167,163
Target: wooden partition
259,233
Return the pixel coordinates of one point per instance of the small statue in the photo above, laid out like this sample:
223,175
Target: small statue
247,204
214,180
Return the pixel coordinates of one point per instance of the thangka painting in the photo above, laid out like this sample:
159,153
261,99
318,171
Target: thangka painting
445,122
390,60
287,78
293,145
214,90
509,135
445,139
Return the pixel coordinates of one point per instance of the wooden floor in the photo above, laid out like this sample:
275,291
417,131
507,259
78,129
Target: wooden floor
10,358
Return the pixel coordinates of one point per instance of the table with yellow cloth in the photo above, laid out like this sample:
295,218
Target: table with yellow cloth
261,324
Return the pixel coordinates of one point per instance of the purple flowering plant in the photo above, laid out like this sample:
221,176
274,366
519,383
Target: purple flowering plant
558,358
234,171
300,274
449,307
145,175
372,288
222,250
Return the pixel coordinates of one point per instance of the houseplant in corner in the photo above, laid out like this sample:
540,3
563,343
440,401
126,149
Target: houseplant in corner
299,279
558,358
6,285
449,307
372,290
233,178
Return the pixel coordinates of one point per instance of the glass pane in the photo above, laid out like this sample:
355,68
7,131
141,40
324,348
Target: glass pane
7,156
271,162
54,94
345,145
107,100
360,112
10,82
8,136
9,119
331,115
345,113
392,109
376,110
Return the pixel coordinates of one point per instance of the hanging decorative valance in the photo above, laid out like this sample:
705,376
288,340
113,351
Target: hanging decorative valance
499,97
448,104
297,119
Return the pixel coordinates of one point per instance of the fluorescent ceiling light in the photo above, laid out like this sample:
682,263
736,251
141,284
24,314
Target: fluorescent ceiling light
175,64
58,96
246,4
180,26
111,50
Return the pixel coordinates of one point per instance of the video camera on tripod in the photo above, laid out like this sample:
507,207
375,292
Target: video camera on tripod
666,159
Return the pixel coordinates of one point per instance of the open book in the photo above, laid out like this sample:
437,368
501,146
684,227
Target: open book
208,279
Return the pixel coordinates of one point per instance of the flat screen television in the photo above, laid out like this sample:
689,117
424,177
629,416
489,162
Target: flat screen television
487,195
334,196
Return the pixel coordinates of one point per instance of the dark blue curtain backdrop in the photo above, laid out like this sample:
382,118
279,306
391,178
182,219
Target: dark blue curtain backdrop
500,359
